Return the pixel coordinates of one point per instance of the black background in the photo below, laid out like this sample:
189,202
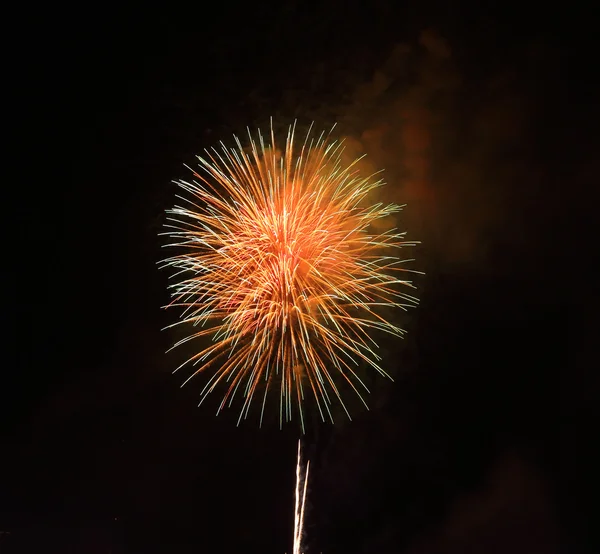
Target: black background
482,444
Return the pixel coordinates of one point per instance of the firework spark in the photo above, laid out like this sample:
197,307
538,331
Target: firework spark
281,265
301,485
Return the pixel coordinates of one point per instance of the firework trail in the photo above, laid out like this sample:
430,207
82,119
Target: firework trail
301,485
279,262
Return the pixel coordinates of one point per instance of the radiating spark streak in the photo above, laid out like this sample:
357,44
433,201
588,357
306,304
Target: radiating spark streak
301,486
280,264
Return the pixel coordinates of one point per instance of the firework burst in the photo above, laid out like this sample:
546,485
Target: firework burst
281,265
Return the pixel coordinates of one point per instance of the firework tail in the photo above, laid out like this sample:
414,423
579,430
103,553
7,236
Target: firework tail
301,486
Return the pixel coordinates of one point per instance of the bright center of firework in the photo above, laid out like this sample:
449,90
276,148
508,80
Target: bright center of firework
279,265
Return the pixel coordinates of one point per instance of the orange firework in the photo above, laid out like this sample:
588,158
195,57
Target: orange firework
280,264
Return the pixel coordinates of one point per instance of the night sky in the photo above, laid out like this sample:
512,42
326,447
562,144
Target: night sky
486,125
